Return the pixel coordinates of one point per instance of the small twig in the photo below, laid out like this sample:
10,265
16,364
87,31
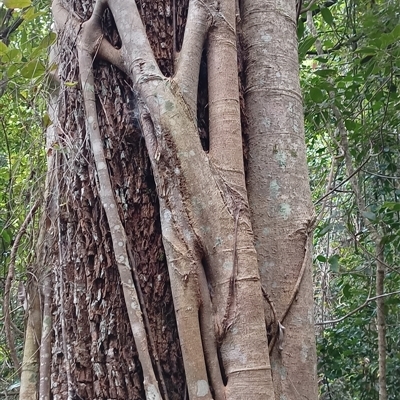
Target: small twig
275,321
300,277
270,303
335,321
298,9
305,9
280,330
343,182
8,283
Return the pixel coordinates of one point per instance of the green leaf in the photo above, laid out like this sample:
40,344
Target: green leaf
391,205
325,72
300,29
387,239
396,32
13,55
327,16
350,125
46,120
30,14
321,258
6,235
317,95
33,69
326,86
306,45
346,290
3,48
395,299
321,59
13,68
48,40
334,262
325,229
369,215
17,3
367,50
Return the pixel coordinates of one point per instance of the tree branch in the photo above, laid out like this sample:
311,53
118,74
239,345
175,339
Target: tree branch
143,68
348,178
189,58
335,321
8,283
326,4
5,33
104,49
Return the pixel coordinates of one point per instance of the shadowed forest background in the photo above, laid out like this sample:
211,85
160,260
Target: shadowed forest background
349,53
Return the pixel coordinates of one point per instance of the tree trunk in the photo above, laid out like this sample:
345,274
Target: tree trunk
157,288
279,193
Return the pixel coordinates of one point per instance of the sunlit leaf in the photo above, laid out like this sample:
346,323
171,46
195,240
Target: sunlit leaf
391,205
33,69
13,55
17,3
31,14
48,40
12,69
3,48
46,120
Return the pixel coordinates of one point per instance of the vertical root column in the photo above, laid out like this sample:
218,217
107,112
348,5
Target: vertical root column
183,267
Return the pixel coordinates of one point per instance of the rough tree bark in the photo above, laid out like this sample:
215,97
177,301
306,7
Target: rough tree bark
157,291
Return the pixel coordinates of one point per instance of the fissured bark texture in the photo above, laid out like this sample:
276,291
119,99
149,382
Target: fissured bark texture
101,360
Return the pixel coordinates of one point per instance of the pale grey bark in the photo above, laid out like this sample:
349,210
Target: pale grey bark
278,189
188,62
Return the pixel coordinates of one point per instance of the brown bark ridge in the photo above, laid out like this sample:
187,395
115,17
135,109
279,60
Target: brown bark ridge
100,353
278,190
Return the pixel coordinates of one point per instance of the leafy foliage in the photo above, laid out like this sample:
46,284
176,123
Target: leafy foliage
24,43
358,73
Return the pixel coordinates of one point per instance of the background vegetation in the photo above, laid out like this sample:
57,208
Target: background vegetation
350,54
